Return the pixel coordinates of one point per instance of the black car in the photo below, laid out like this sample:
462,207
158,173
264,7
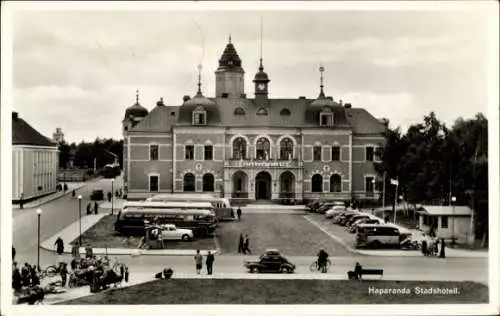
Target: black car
97,195
270,261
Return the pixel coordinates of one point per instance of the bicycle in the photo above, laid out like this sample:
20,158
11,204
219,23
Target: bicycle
314,267
49,272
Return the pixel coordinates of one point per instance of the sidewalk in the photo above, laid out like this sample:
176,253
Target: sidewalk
51,197
70,233
450,252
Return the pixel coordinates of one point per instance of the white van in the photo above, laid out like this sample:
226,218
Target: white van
377,236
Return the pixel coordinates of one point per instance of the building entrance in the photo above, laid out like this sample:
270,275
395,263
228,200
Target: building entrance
263,186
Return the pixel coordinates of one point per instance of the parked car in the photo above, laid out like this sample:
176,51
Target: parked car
334,210
355,218
270,261
325,207
347,217
377,236
171,232
340,217
354,227
97,195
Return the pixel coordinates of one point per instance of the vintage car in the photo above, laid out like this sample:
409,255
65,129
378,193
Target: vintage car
171,232
97,195
270,261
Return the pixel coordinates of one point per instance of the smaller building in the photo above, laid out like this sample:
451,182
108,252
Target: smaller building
448,221
58,136
34,162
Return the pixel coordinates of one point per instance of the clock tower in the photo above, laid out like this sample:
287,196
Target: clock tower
261,82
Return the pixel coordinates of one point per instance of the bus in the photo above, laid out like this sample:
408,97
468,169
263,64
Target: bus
172,205
111,171
131,219
221,206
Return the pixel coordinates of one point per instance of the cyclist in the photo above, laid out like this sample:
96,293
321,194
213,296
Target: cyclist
322,260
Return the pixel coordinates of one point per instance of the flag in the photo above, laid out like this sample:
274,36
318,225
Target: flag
394,182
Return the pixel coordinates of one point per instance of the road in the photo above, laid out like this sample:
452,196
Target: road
62,212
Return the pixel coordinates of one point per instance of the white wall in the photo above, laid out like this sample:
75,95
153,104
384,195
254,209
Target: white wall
460,225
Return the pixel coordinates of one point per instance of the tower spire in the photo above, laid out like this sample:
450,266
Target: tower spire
261,67
229,38
137,96
321,70
199,80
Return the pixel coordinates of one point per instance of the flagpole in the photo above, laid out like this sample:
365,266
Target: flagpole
395,201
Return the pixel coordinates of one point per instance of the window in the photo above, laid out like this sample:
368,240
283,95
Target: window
153,183
262,111
317,183
263,149
369,184
209,152
153,152
189,152
369,153
239,148
199,116
444,221
208,183
286,149
285,112
317,153
335,153
239,111
189,182
335,183
377,153
326,119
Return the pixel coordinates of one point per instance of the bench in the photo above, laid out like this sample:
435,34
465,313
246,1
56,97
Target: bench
351,275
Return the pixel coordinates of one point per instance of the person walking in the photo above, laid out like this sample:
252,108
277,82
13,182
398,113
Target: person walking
96,208
89,252
59,249
75,251
73,193
17,280
238,212
198,259
160,239
442,252
89,208
246,246
209,262
64,274
240,245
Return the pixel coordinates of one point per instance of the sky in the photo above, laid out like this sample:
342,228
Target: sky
79,70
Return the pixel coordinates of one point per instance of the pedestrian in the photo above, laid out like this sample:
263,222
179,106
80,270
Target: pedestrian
238,212
35,280
109,196
246,246
210,262
89,208
424,247
89,253
198,259
442,252
17,280
25,274
21,201
126,274
160,239
65,187
240,245
59,248
75,251
96,208
73,193
64,274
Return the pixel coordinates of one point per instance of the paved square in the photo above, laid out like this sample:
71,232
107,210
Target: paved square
291,234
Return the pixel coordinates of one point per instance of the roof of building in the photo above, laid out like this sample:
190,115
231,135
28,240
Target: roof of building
437,210
160,119
25,134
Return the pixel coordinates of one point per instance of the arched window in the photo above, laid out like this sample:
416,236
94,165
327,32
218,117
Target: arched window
262,111
239,111
263,149
208,183
189,182
239,148
317,183
335,183
285,112
286,149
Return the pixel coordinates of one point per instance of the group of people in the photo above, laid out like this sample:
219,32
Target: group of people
322,261
433,247
27,276
209,262
244,245
89,208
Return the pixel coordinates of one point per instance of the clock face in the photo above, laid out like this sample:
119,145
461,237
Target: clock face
261,86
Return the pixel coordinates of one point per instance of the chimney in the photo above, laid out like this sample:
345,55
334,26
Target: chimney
347,105
302,97
186,98
160,103
14,115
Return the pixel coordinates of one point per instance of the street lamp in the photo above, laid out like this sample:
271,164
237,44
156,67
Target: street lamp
112,195
39,213
453,200
80,218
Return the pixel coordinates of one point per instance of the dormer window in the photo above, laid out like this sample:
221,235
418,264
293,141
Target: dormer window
285,112
239,111
262,111
199,116
326,118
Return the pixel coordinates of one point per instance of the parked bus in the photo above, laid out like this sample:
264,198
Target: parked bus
130,220
111,171
221,206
